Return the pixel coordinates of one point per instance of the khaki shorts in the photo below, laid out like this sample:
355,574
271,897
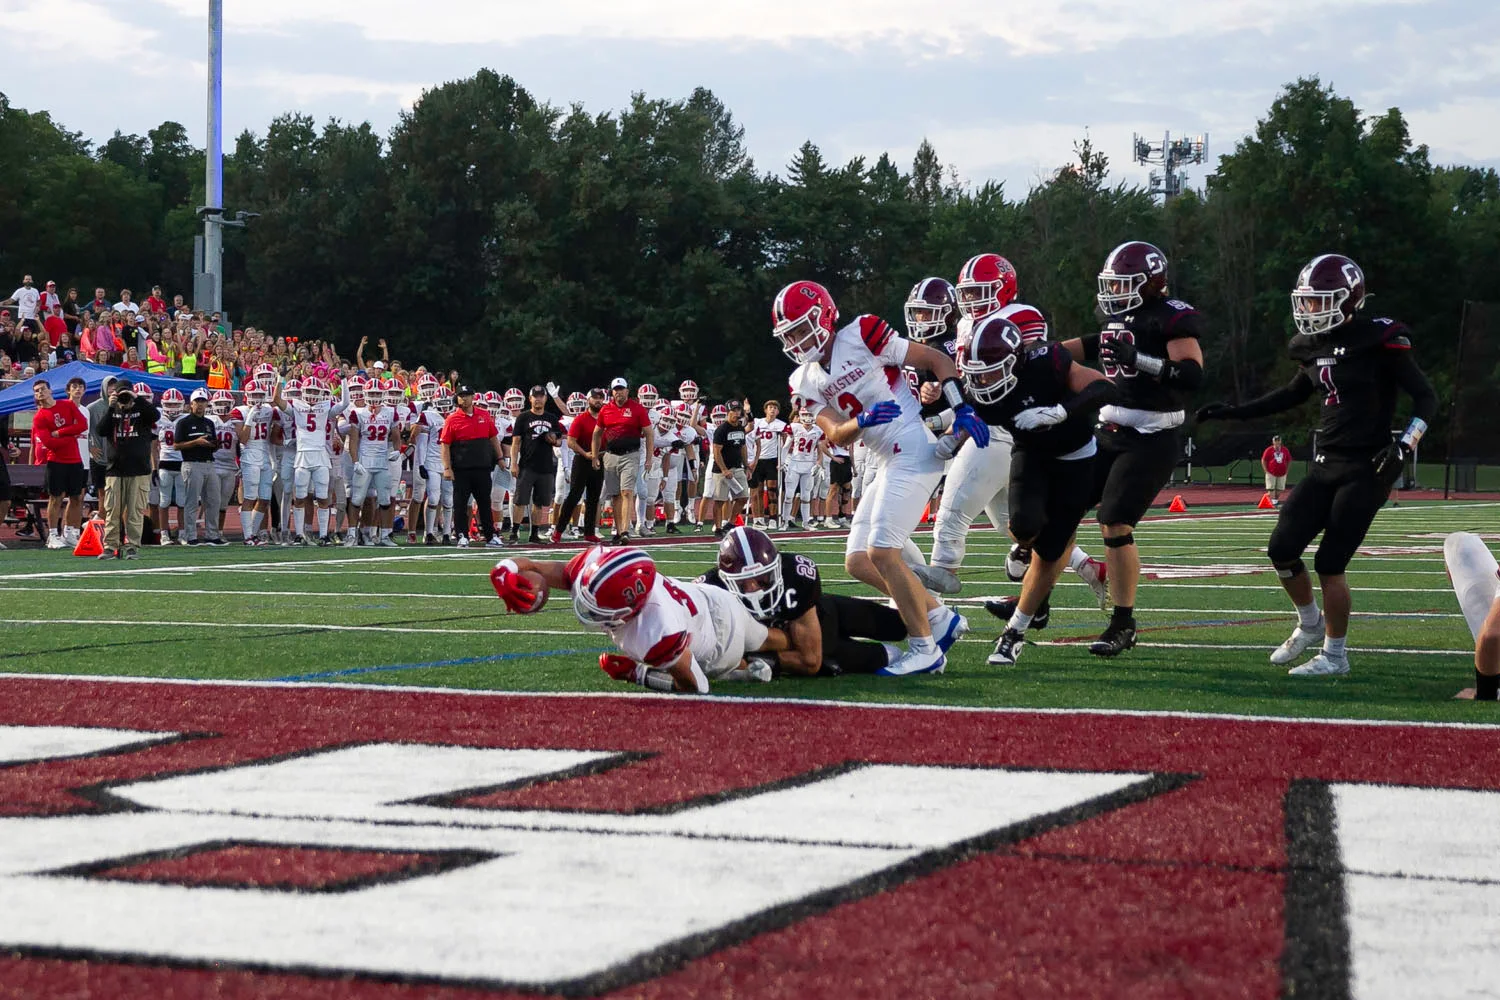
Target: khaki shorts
1275,482
732,486
621,472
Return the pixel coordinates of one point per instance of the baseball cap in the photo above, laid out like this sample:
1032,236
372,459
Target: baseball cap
619,383
596,391
378,366
537,390
198,394
463,390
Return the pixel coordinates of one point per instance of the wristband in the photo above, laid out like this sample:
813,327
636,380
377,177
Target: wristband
1414,432
1148,363
656,680
939,423
953,393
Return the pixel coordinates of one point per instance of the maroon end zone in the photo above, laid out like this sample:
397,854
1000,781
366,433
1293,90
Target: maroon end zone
1213,884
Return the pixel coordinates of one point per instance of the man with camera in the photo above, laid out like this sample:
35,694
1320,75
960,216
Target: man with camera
126,426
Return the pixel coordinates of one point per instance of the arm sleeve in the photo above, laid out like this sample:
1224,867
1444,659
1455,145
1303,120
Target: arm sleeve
1090,344
1092,396
1298,390
1411,378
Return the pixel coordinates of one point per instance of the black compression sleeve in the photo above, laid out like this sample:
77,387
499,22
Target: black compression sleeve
1090,342
1185,374
1411,378
1095,394
1298,390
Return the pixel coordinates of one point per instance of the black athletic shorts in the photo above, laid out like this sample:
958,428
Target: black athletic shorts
1130,470
1048,497
65,479
841,473
1338,498
766,471
535,488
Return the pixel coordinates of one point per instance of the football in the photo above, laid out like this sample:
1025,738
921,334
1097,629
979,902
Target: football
540,584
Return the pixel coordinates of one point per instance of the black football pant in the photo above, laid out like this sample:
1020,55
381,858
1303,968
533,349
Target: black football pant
473,483
1338,498
846,620
586,483
1130,470
1048,498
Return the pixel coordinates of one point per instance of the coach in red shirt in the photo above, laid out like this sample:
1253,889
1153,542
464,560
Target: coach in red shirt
1276,460
58,425
471,449
622,426
588,477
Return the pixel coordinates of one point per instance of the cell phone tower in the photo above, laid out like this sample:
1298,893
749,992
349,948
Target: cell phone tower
1171,155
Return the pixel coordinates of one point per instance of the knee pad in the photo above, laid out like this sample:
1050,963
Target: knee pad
1120,541
1288,570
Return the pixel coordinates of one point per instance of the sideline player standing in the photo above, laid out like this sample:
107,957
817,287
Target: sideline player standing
765,464
851,379
1149,349
1357,364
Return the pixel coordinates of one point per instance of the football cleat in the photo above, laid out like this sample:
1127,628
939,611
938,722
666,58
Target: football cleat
1016,562
1004,609
1007,649
1322,665
952,630
1299,642
910,663
1114,641
1096,575
937,579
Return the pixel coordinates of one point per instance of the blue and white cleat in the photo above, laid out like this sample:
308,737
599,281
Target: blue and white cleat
915,663
953,630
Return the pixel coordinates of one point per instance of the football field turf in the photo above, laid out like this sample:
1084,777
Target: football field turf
1210,611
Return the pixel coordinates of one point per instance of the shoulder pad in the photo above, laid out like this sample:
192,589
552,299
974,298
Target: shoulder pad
1178,305
1393,334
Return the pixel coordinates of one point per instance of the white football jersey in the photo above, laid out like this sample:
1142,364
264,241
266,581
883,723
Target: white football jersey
430,450
376,429
680,614
802,447
257,449
227,434
767,434
166,434
314,434
863,369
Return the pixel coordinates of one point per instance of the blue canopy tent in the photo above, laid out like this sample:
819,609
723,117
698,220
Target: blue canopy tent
18,397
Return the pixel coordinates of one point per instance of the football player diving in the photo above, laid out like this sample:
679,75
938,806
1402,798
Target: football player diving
1476,581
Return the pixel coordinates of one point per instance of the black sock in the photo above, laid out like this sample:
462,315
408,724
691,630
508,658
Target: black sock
1124,614
1486,687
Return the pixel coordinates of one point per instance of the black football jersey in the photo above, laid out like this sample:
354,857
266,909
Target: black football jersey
804,588
948,344
1357,369
1042,380
1150,328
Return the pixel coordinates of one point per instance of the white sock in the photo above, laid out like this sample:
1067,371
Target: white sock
323,513
1334,648
922,645
937,614
299,520
257,518
1019,620
247,520
1308,615
385,532
1077,560
892,652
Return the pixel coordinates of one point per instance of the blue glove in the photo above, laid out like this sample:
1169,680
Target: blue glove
966,420
882,412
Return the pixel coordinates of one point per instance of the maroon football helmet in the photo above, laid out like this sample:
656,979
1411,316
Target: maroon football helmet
988,361
931,309
1133,272
750,567
1330,289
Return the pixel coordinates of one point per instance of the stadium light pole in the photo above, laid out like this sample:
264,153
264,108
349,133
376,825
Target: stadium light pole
213,180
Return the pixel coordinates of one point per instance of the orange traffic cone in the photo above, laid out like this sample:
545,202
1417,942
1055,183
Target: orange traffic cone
1177,506
927,512
1265,502
91,542
739,520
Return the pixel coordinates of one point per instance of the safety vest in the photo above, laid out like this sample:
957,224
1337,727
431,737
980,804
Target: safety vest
190,363
218,377
156,361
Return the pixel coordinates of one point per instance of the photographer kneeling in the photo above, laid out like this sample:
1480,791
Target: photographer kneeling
127,427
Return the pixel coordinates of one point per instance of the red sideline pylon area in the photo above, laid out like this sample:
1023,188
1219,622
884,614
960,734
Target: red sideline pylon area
1265,502
1177,506
91,542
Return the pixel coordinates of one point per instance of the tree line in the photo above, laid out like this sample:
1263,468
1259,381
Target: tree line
518,241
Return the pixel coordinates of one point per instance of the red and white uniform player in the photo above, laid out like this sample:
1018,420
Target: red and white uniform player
427,465
376,427
313,462
851,379
805,448
674,635
252,420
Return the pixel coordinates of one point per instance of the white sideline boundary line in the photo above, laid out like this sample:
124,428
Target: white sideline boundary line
748,701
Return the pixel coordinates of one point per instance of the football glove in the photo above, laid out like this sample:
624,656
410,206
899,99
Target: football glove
966,420
1390,461
622,668
359,468
882,412
1117,352
1040,416
551,388
518,593
1214,411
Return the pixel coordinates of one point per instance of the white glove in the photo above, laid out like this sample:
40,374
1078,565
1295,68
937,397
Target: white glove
1040,416
551,388
947,447
359,468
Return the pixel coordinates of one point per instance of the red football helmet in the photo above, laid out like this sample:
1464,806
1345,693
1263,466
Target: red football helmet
664,417
292,389
142,391
443,402
172,402
985,283
577,403
647,396
719,414
354,391
1330,290
688,391
257,393
1133,272
427,387
221,402
988,362
612,584
931,309
804,319
313,390
514,401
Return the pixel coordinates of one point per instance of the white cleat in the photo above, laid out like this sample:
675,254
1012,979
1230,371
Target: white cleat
937,579
1300,641
1322,665
911,663
351,539
386,542
1095,574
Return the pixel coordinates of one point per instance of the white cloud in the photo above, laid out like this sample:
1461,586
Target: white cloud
311,88
1461,128
57,25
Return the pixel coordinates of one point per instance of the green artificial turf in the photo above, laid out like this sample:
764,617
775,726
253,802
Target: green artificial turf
420,616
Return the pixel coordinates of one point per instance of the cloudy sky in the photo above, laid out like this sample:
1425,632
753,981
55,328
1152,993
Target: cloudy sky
1002,88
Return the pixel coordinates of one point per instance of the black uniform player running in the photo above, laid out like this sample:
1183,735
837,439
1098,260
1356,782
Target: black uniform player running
1047,403
1357,364
1149,349
932,319
784,591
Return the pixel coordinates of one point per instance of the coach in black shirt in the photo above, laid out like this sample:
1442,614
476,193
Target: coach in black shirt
729,462
532,454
